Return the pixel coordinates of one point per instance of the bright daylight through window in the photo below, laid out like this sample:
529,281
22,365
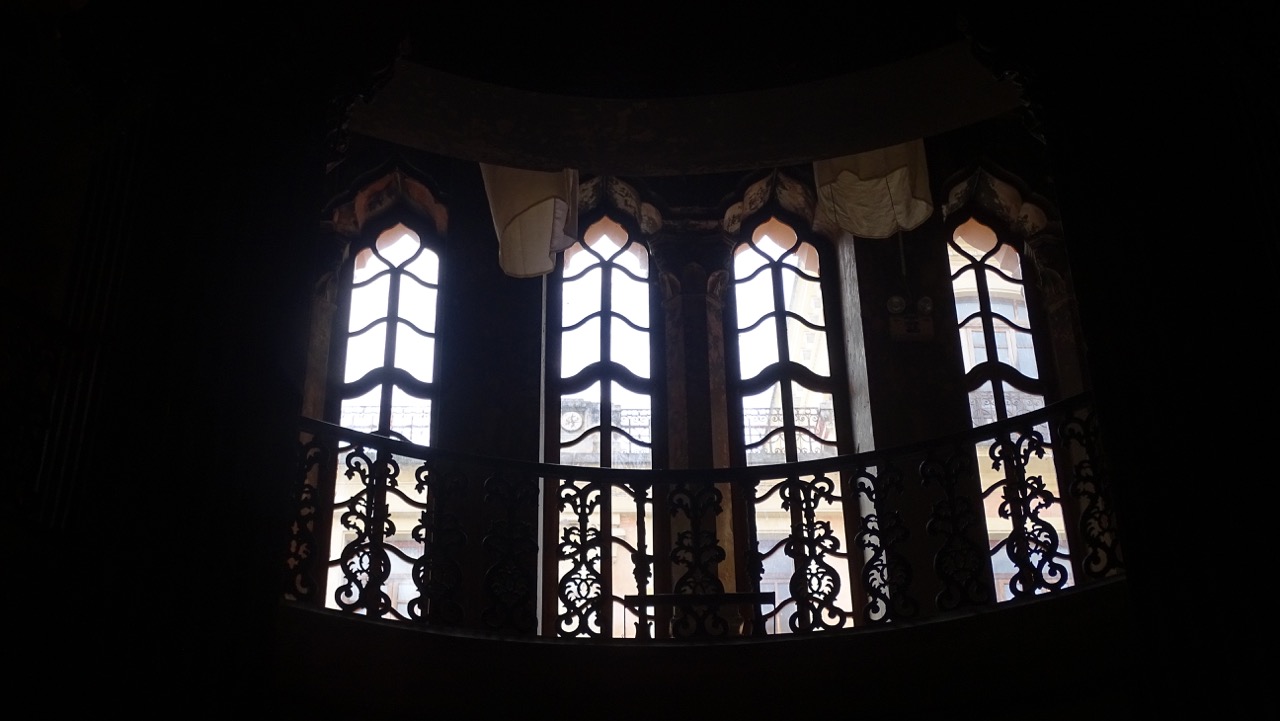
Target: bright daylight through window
787,394
389,367
992,310
605,390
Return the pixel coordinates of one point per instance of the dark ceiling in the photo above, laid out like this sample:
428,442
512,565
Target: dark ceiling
649,55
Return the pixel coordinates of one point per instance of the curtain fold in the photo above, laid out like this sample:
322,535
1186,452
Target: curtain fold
876,194
535,214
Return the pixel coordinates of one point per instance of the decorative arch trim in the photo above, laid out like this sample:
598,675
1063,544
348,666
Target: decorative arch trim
1023,213
396,188
609,192
790,194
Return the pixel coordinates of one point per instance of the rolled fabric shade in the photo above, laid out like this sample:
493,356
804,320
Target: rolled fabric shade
878,193
535,214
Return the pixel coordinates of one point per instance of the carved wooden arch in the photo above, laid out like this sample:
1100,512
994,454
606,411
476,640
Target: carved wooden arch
398,188
781,190
992,195
1000,195
606,194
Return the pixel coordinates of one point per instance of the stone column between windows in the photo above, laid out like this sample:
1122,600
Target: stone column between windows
694,275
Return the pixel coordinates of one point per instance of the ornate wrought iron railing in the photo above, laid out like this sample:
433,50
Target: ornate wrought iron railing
389,529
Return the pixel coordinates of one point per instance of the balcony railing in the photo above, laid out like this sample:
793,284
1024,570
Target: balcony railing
1008,510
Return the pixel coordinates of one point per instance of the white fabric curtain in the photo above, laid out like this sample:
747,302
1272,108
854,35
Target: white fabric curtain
876,194
535,214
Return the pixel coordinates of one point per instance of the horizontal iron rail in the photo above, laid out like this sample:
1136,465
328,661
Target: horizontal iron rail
700,599
641,477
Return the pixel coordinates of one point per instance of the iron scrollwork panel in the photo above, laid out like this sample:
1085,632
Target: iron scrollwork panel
961,564
438,572
1102,555
886,573
698,552
363,560
1032,544
303,577
814,544
581,588
511,550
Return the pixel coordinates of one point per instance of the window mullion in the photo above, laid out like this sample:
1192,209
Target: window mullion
389,349
785,397
989,337
606,376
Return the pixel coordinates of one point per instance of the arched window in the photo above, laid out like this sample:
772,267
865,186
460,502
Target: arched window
389,351
793,407
991,306
385,358
601,393
785,388
604,383
1024,521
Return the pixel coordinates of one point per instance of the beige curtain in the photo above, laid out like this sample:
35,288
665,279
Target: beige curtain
535,214
878,193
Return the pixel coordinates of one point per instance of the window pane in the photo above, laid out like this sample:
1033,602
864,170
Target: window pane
417,304
982,405
630,298
808,347
1018,403
629,347
1026,355
1002,343
753,297
632,412
425,267
761,413
411,416
813,410
398,245
965,287
973,241
975,344
757,349
626,454
366,265
415,352
804,297
365,352
580,296
579,348
586,452
579,412
361,414
635,258
774,238
369,302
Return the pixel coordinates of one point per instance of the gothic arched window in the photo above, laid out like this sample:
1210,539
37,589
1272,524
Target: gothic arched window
385,348
788,387
786,392
1025,528
604,385
601,394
